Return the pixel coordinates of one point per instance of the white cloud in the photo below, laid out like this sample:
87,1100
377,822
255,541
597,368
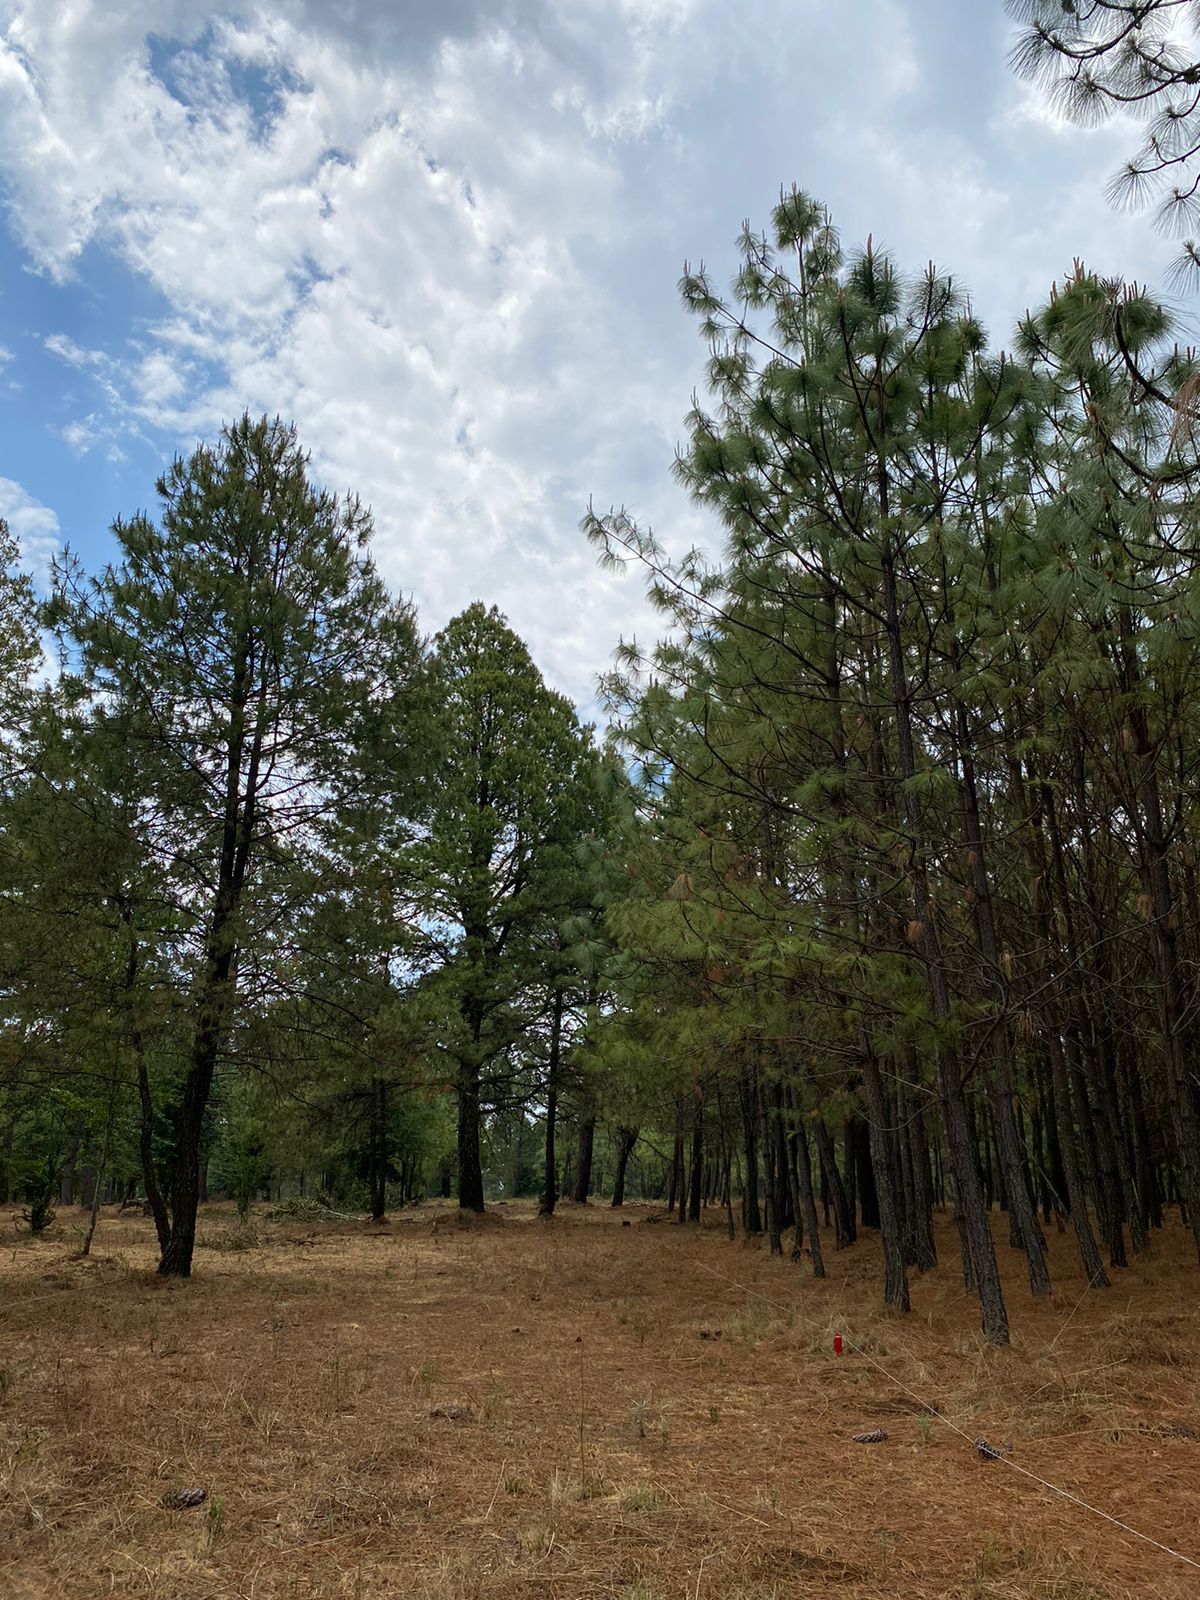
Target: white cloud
34,526
445,239
58,344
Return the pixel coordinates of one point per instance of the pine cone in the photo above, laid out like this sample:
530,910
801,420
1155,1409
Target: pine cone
183,1499
989,1452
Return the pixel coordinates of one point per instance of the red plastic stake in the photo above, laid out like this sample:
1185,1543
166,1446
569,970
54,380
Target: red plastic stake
837,1344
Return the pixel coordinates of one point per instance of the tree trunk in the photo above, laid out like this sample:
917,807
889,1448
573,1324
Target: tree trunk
924,1245
845,1231
626,1139
67,1183
583,1170
868,1193
850,1170
550,1178
751,1213
808,1199
470,1161
1076,1197
895,1277
773,1178
695,1186
377,1155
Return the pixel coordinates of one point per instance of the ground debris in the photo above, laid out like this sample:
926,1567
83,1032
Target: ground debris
309,1208
296,1386
991,1452
183,1499
1172,1430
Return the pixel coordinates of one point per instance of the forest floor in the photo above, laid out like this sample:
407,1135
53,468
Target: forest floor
579,1409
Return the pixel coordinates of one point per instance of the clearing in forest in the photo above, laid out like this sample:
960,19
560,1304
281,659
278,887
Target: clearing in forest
578,1409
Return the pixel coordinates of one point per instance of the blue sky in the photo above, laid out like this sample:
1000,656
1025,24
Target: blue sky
446,239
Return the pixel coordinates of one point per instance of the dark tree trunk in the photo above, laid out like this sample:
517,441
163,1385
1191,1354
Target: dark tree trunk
1076,1197
845,1231
907,1178
968,1191
924,1246
850,1169
67,1182
1143,1160
808,1199
868,1192
751,1213
1057,1172
696,1181
377,1159
154,1199
1119,1133
626,1139
787,1162
785,1179
550,1176
470,1161
583,1170
772,1176
895,1278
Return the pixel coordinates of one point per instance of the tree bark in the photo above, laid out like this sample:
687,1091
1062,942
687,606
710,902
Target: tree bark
583,1170
895,1277
377,1156
470,1161
751,1211
695,1185
626,1139
549,1193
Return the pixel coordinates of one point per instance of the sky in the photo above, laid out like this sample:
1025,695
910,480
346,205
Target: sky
445,239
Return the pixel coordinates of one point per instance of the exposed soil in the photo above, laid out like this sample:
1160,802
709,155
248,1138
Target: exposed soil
579,1409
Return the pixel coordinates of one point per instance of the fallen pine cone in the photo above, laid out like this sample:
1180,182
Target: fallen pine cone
183,1499
989,1452
875,1436
1173,1430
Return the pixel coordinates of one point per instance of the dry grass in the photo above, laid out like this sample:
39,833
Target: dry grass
576,1410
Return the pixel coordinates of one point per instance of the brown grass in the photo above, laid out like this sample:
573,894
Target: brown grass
576,1410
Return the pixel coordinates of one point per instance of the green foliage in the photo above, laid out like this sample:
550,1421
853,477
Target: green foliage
248,645
498,874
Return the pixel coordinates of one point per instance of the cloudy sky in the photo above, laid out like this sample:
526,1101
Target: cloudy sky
445,238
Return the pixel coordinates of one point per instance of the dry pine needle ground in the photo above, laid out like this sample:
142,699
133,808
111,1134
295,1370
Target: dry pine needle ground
576,1409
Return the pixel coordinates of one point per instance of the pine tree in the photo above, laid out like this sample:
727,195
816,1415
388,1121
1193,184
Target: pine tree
248,638
509,804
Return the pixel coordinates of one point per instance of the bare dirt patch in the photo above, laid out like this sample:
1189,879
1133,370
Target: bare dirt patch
576,1409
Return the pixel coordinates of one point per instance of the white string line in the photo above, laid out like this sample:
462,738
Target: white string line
941,1416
